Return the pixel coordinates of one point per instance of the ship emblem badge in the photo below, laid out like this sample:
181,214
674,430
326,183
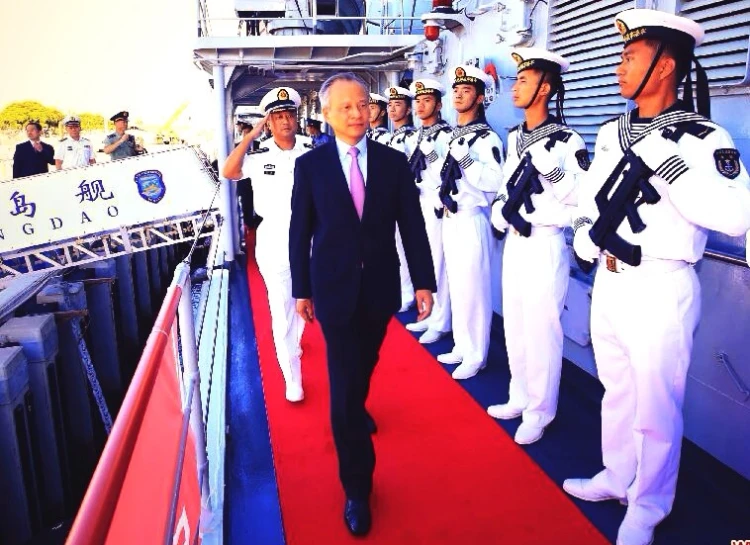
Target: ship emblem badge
150,185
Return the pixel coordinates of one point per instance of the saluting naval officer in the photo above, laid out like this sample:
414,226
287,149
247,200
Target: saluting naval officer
536,263
399,112
470,179
681,176
378,119
120,144
271,173
74,150
430,149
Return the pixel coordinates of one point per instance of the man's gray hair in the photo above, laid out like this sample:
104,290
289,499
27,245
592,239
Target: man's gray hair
342,76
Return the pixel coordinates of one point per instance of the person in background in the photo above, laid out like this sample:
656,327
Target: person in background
646,298
472,174
314,131
33,156
536,263
74,150
430,150
378,119
270,170
120,144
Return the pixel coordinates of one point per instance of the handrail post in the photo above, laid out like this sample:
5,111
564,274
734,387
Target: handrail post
192,373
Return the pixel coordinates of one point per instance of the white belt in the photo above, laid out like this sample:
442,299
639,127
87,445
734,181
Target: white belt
463,211
540,230
611,264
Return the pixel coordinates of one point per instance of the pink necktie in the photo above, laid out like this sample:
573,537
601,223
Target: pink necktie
356,183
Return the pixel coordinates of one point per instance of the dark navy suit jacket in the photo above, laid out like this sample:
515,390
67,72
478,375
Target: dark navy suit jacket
352,258
27,161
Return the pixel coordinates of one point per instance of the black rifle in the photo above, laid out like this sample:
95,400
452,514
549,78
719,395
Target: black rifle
633,191
449,174
523,183
418,162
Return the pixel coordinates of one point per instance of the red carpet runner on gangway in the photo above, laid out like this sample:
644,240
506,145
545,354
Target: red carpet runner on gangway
446,473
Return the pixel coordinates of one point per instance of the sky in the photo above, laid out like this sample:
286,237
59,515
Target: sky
104,56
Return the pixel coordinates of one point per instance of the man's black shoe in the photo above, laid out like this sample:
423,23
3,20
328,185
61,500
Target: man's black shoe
371,427
357,517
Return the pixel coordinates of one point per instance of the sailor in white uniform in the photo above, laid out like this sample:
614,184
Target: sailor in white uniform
470,179
402,139
545,163
271,172
430,150
74,150
678,175
378,130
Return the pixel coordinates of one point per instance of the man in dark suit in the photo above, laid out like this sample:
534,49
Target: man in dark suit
348,197
34,156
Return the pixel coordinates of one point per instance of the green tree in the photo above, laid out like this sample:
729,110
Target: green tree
91,121
17,114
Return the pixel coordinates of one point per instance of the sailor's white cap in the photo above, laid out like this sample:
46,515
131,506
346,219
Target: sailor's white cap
72,120
280,98
470,75
651,24
426,86
399,93
376,99
539,59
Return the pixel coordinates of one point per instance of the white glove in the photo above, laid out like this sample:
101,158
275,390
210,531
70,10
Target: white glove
459,148
427,145
654,150
583,246
542,159
496,218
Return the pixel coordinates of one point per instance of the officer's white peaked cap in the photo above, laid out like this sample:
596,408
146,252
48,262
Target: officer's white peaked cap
72,120
280,98
470,75
426,86
651,24
377,99
399,93
539,59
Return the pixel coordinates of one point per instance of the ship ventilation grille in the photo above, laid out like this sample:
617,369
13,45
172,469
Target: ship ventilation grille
724,52
583,32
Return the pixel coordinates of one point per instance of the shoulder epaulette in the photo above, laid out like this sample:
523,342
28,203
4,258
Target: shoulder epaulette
259,150
63,139
309,146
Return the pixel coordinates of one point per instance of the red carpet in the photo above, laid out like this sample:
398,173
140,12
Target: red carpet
446,473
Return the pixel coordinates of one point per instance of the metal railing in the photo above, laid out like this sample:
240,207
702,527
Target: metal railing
378,19
92,524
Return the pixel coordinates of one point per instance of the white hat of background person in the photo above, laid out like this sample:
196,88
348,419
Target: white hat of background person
378,99
471,75
72,120
399,93
426,86
651,24
279,99
536,58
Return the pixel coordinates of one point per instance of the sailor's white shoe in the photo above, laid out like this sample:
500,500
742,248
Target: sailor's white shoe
294,393
451,358
466,370
527,434
634,534
588,490
506,411
417,327
431,336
